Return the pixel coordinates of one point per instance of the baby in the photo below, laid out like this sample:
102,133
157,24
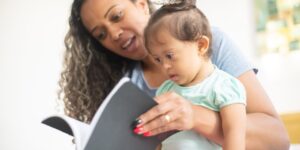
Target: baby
178,37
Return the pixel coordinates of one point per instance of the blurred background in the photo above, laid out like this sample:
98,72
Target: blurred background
31,50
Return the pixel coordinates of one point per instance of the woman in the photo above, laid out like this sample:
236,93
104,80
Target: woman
105,41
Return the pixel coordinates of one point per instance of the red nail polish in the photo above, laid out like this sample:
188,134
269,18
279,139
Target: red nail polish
147,133
138,130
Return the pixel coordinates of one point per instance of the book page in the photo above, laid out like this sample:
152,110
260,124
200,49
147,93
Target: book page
69,126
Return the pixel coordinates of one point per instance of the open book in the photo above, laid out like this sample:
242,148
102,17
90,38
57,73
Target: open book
111,128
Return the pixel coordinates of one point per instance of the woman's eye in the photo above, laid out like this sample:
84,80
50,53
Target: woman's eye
101,35
117,16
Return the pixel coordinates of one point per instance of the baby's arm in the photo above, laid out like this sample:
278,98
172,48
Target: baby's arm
234,126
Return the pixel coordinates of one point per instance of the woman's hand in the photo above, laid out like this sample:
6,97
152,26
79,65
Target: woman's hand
173,112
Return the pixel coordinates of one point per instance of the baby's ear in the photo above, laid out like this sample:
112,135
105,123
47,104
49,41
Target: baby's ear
203,45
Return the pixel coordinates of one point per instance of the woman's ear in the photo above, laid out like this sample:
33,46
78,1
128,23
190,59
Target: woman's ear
143,4
203,45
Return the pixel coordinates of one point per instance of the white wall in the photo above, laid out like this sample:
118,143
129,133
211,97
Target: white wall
31,37
280,73
234,17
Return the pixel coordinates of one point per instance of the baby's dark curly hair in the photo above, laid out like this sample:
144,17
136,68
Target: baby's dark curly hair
182,19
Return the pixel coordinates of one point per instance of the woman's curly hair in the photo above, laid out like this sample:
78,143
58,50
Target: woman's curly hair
89,72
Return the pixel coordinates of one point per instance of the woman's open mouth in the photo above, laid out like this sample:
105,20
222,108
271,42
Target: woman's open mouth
130,44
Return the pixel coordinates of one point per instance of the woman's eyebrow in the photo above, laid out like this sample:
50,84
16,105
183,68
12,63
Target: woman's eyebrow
105,15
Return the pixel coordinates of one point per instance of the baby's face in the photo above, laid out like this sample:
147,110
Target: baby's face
180,60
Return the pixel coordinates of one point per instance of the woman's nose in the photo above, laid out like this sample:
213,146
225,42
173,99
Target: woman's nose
115,32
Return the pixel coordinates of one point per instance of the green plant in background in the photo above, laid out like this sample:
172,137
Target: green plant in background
277,25
261,15
296,14
272,8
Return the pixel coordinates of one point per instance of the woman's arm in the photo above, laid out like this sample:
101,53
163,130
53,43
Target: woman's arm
264,128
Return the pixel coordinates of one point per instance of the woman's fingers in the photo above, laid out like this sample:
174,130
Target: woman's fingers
163,123
172,113
164,97
158,110
170,127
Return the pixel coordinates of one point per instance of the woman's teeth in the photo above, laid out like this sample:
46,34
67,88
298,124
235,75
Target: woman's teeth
124,46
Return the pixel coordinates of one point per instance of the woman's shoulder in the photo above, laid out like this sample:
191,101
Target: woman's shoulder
226,55
138,79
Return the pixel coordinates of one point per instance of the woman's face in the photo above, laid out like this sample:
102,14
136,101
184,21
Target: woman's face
118,25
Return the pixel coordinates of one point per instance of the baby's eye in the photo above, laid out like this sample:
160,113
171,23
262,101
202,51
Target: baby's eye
170,56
